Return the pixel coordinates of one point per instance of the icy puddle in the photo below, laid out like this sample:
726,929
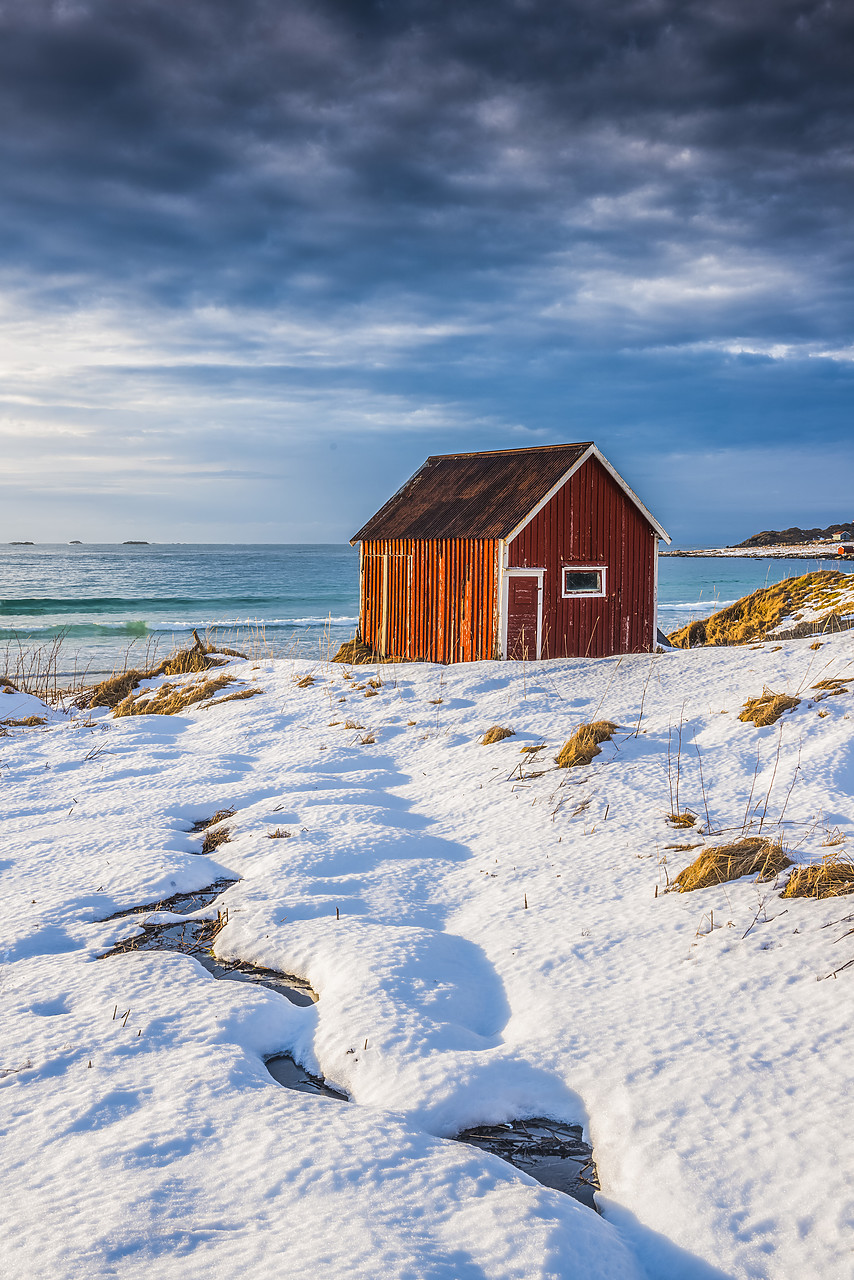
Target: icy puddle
179,903
289,1073
554,1154
195,938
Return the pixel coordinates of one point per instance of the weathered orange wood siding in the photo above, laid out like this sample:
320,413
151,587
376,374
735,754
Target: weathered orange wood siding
431,600
591,521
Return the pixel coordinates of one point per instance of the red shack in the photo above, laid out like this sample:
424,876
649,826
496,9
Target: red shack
522,553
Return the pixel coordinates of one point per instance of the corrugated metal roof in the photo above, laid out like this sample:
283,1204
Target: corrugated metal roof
472,495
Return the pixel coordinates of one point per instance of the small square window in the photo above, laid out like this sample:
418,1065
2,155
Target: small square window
583,582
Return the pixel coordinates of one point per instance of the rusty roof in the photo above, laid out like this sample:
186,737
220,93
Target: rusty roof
472,495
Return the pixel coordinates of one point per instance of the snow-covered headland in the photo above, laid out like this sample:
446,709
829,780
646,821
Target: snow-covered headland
490,938
797,551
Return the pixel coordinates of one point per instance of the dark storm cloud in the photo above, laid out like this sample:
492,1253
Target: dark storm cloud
384,145
628,215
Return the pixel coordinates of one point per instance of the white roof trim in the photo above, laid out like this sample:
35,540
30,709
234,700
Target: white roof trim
630,493
548,496
615,475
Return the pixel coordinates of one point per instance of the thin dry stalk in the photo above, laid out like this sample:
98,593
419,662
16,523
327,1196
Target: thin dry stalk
791,787
643,697
35,669
670,766
746,823
703,788
679,758
773,776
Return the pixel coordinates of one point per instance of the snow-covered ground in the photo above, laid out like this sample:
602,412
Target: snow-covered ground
489,939
819,607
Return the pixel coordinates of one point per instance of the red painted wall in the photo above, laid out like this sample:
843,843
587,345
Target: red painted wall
590,521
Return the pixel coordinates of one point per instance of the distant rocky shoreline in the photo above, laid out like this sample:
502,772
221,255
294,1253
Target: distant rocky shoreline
803,551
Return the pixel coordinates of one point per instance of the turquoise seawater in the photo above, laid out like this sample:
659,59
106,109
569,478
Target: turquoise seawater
116,604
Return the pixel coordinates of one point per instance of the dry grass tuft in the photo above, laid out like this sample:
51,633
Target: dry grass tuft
367,739
532,748
187,662
583,746
830,878
115,689
750,856
207,647
372,693
768,708
497,733
358,654
375,683
817,645
7,685
112,691
215,837
219,816
838,685
304,682
353,724
684,819
237,696
28,722
279,834
753,617
170,699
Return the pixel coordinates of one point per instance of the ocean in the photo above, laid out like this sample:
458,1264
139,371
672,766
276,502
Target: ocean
117,605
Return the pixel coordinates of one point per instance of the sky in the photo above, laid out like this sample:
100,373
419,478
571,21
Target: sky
259,259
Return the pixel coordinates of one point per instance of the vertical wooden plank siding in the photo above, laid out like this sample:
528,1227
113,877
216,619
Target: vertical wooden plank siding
590,521
441,599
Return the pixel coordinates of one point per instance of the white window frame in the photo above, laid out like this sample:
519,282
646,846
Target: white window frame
583,568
